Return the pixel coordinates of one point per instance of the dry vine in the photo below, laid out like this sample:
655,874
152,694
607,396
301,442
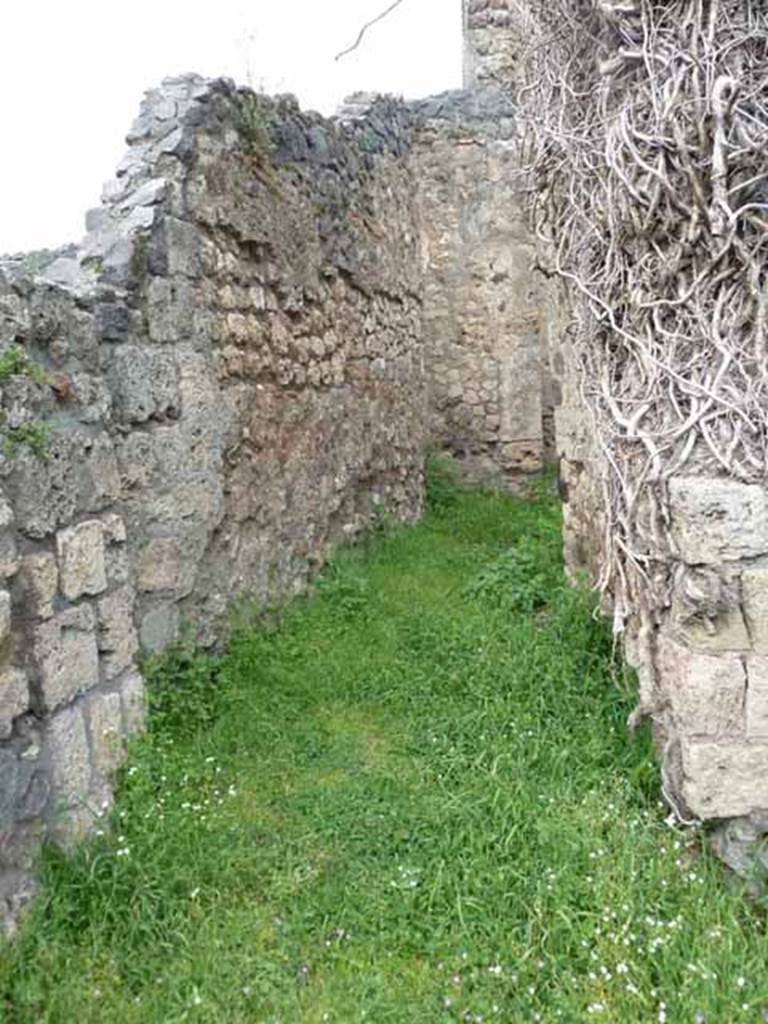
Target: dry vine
649,126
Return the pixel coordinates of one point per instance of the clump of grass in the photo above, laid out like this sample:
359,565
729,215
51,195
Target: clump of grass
34,435
415,800
14,362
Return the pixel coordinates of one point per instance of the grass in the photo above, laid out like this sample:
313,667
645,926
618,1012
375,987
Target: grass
413,800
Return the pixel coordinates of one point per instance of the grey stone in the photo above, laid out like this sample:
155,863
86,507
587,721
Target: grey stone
757,698
176,249
64,650
5,624
144,384
113,321
36,797
706,693
114,528
106,728
117,637
40,583
69,273
80,552
97,219
706,612
151,192
754,587
14,698
716,520
159,627
160,565
9,773
134,703
9,556
724,778
741,843
69,756
79,476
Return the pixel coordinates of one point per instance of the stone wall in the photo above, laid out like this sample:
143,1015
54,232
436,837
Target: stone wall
702,659
222,383
481,307
491,42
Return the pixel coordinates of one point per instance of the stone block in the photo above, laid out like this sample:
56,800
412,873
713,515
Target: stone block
706,692
40,582
106,726
718,520
159,627
14,698
134,704
114,528
144,383
9,791
160,565
36,796
724,629
754,591
9,558
117,638
724,779
5,624
757,698
80,551
79,478
9,555
64,650
66,743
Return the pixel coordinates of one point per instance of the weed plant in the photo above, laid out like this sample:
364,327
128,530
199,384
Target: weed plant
413,802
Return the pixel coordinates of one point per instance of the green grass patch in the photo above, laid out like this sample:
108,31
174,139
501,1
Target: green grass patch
413,800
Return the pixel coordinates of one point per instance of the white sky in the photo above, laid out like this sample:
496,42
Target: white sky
72,73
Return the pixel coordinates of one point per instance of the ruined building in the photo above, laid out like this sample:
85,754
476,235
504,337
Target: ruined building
271,318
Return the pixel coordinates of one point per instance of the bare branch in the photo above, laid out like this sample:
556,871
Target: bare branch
364,29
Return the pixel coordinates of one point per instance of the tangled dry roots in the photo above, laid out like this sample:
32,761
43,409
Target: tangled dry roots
649,127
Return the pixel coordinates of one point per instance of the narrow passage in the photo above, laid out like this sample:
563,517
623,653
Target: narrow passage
410,798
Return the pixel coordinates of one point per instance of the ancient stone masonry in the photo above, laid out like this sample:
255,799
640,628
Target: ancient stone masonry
664,471
240,367
225,380
481,308
491,43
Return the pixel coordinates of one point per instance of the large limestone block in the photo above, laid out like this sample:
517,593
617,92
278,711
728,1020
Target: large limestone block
757,698
706,612
706,693
718,520
117,638
724,779
14,699
64,649
80,551
69,756
754,590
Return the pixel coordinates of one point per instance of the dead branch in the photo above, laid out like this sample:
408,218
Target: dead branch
648,124
364,29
